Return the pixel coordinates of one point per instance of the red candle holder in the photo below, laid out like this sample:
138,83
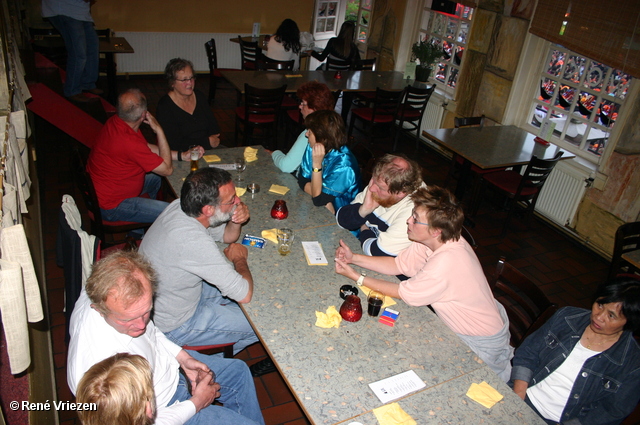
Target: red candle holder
279,210
337,75
351,309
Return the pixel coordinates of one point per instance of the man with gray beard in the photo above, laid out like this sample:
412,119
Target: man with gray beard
198,288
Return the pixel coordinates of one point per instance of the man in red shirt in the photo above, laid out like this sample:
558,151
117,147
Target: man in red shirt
123,166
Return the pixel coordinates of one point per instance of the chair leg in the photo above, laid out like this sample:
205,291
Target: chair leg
395,140
511,208
351,124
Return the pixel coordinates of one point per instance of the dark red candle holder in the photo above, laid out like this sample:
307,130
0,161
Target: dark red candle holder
279,210
351,309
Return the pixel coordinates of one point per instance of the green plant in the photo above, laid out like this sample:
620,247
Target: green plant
427,53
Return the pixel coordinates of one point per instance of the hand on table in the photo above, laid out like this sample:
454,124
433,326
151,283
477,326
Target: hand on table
214,140
186,155
240,214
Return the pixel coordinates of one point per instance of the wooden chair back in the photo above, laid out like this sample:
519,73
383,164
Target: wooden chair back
527,306
627,240
267,64
468,121
366,65
334,64
250,52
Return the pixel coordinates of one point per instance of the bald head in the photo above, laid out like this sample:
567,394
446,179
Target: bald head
132,106
400,173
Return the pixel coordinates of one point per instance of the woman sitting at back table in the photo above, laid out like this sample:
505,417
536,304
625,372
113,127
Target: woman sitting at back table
583,367
329,172
341,47
284,45
184,113
314,96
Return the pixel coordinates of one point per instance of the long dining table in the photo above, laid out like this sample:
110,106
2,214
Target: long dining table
328,370
349,81
491,147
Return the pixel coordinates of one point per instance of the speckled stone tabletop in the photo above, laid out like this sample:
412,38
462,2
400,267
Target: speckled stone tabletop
329,370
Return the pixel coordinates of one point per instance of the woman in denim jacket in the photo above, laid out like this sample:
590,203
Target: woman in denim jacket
583,367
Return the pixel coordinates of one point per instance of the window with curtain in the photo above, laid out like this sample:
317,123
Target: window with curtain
447,24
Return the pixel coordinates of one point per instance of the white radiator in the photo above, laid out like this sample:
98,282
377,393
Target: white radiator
562,193
154,49
433,119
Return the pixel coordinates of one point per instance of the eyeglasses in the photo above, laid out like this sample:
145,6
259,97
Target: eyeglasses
303,103
185,80
233,201
413,218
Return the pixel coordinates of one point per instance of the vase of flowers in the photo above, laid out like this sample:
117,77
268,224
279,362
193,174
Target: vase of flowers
427,54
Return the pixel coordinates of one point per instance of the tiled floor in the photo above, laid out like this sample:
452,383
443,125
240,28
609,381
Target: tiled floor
565,271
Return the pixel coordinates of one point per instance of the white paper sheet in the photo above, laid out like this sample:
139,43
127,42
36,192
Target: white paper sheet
228,167
397,386
315,255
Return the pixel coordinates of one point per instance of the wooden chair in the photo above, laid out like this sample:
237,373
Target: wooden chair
261,110
627,240
466,234
267,64
214,71
382,113
366,65
519,188
99,227
250,52
412,110
527,306
334,64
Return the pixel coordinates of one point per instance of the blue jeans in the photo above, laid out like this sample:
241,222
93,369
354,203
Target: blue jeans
237,394
217,320
139,210
82,45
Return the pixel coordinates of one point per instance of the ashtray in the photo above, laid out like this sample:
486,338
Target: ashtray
346,290
253,188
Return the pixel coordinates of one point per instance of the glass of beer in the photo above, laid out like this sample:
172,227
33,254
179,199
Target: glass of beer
285,240
375,300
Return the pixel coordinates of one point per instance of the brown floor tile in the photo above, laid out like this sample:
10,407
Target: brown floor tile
281,414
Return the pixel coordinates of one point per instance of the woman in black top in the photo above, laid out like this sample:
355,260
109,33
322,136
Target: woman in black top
342,47
184,113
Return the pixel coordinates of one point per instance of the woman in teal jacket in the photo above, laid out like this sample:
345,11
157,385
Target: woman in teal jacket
329,172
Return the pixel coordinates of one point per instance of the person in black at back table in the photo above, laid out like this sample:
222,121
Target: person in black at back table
184,113
341,47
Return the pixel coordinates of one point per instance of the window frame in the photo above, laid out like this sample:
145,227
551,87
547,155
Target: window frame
449,64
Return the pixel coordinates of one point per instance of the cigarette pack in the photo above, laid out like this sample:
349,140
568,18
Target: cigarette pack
389,317
249,240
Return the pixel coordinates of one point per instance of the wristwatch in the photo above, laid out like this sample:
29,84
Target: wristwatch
361,279
316,170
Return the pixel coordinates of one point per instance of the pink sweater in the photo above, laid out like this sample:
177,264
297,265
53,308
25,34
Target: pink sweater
451,280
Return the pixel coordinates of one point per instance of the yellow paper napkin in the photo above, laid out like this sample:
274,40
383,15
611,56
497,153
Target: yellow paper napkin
280,190
270,235
484,394
392,414
388,301
330,319
211,158
250,154
240,191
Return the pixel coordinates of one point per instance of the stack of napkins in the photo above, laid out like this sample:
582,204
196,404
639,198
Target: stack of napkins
392,414
280,190
270,235
250,154
484,394
211,158
240,191
330,319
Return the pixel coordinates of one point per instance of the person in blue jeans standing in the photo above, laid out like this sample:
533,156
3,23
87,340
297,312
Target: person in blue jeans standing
73,19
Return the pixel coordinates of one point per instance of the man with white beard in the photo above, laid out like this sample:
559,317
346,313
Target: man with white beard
198,288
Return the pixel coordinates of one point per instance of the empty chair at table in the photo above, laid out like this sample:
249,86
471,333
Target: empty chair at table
411,111
519,188
214,71
382,114
261,111
627,240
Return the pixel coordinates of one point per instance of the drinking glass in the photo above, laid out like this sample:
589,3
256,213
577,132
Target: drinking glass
285,240
240,167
